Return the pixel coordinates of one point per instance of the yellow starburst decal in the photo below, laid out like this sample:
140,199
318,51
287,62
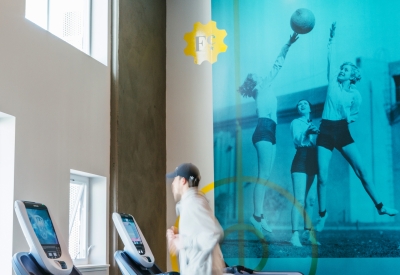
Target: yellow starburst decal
205,42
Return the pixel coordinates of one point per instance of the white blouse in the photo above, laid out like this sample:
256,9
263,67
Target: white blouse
266,99
299,128
340,104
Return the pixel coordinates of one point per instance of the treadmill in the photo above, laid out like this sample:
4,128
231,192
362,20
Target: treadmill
48,252
136,258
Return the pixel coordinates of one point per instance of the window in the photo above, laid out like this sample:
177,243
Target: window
88,221
67,19
394,114
78,218
397,83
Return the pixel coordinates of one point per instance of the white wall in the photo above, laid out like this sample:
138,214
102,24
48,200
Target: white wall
60,98
189,98
7,148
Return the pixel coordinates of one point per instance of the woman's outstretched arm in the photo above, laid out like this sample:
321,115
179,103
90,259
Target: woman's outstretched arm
331,36
281,57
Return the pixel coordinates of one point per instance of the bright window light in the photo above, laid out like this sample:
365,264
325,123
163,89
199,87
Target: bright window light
78,219
36,11
67,19
88,209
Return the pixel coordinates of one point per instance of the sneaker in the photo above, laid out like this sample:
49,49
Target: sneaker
256,224
388,211
321,223
295,240
310,237
265,225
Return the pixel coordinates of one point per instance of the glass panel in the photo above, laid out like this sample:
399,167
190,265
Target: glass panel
36,11
76,249
67,20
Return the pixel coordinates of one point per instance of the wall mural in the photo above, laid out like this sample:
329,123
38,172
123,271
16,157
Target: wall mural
306,104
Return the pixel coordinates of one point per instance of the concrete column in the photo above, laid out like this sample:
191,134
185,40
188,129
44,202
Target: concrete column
138,108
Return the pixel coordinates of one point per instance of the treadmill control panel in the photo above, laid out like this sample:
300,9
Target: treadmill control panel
131,228
43,227
52,251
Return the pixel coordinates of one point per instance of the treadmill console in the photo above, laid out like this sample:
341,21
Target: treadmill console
43,227
133,233
135,243
44,238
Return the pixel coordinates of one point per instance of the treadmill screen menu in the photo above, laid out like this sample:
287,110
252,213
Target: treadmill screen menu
133,233
43,227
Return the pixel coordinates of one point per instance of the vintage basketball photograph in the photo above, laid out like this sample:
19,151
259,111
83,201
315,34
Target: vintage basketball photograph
306,125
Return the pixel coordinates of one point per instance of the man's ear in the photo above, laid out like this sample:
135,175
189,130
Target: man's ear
184,181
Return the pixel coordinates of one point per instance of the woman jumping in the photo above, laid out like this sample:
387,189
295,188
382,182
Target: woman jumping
264,139
341,108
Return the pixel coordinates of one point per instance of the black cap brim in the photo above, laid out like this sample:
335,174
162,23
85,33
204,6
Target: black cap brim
171,175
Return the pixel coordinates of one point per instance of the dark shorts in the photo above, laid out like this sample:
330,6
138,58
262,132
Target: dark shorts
265,131
334,134
305,161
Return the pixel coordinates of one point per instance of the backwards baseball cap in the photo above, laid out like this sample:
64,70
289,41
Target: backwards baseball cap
187,170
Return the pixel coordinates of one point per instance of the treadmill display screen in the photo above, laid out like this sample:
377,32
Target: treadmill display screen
131,228
43,227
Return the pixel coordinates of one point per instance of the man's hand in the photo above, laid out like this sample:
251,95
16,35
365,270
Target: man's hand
174,246
174,229
171,232
173,240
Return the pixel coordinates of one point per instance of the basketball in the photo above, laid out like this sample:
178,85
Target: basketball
302,21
